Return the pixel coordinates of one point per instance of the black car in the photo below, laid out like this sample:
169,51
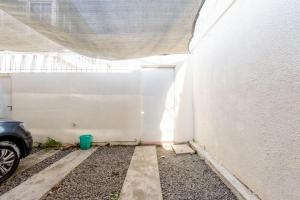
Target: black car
15,143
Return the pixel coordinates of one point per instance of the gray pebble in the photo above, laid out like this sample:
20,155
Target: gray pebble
187,177
100,176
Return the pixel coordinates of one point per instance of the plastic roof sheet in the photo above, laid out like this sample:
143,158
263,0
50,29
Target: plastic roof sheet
99,28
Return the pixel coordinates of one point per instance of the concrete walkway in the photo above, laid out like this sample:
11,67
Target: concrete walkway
142,180
39,184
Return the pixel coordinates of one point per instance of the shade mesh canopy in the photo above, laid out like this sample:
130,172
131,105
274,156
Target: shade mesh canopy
98,28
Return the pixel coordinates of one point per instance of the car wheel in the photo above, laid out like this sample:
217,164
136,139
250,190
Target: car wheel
9,159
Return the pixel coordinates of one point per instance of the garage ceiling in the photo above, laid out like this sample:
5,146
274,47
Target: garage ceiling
98,28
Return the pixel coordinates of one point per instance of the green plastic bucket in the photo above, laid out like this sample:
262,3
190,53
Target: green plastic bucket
85,141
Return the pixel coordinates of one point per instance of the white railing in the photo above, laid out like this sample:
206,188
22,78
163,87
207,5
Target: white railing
14,62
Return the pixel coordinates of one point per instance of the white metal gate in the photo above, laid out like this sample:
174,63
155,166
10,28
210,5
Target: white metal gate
158,105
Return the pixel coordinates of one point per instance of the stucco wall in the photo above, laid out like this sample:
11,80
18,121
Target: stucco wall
246,92
184,122
113,106
65,105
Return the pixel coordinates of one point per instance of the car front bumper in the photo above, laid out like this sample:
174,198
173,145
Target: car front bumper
28,145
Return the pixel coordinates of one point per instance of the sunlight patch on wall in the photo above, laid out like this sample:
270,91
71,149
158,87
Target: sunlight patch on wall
167,121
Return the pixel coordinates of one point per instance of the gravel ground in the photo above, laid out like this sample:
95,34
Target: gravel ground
23,176
100,176
35,149
188,177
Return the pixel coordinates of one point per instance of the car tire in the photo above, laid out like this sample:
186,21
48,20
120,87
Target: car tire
9,159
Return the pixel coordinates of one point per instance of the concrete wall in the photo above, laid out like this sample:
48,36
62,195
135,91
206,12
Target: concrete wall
184,121
114,106
65,105
246,72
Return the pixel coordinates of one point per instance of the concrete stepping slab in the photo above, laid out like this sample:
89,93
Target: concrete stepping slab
34,159
41,183
142,181
182,149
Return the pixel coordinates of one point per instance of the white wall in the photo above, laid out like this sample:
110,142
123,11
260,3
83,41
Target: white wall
184,121
246,72
65,105
5,96
116,106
